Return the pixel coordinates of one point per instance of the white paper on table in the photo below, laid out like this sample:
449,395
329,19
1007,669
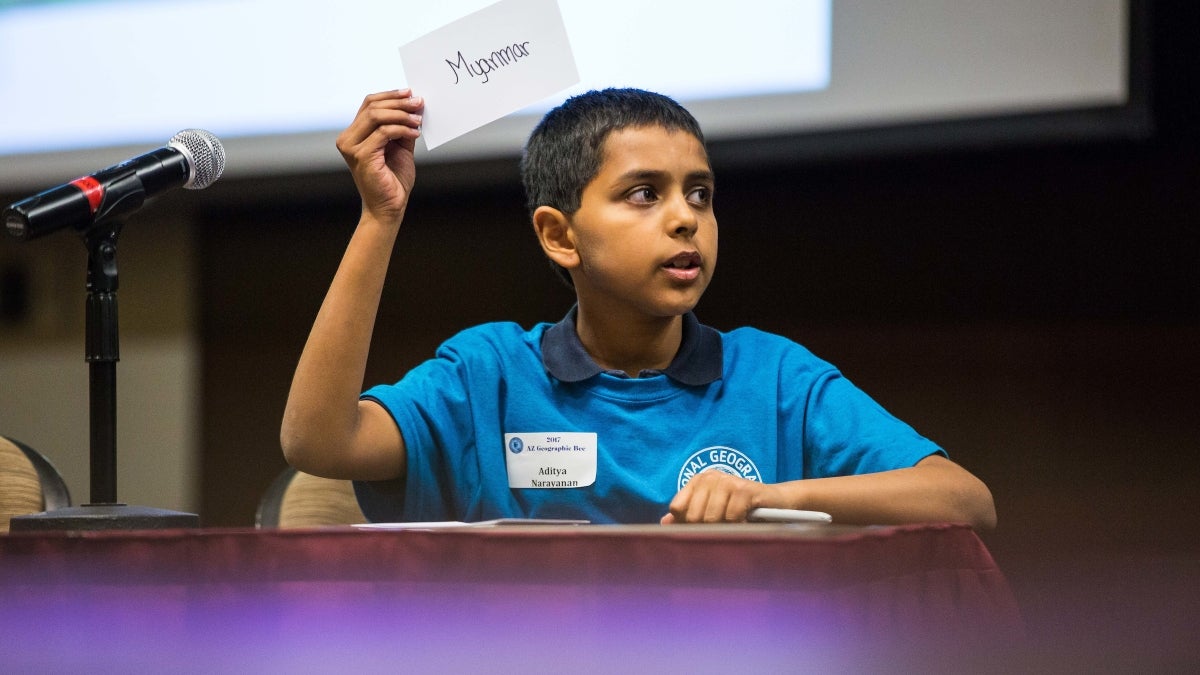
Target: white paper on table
488,64
445,524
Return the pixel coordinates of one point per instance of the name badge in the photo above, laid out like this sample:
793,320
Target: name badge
550,459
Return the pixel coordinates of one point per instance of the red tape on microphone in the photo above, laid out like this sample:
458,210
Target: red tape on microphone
92,189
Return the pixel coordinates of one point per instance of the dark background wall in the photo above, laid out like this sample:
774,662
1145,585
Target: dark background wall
1034,308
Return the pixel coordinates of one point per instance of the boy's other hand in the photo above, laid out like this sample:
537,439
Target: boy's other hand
717,497
378,147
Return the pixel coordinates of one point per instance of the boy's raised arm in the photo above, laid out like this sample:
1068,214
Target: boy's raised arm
327,430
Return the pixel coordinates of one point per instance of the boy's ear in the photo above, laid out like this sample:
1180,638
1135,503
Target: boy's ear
553,229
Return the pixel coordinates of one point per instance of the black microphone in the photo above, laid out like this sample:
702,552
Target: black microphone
193,158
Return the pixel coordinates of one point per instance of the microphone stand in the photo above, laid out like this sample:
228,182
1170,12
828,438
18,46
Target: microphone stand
104,512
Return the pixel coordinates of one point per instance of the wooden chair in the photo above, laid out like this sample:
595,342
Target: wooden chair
29,483
296,499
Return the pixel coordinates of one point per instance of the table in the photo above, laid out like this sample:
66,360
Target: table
740,598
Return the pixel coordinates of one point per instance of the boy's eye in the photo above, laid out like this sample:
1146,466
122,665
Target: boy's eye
700,196
642,195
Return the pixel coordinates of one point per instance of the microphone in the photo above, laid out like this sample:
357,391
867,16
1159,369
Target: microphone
193,158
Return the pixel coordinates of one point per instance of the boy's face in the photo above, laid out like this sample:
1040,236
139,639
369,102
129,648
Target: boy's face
645,229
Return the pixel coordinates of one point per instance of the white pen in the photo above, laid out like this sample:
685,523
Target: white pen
789,516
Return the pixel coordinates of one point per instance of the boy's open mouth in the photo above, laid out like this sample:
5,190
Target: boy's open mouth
683,261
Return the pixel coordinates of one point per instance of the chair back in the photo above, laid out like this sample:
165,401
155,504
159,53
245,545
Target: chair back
29,483
297,499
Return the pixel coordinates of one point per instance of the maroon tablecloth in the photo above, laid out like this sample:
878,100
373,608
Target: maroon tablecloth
533,598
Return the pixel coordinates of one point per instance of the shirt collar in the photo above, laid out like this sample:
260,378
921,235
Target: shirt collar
699,360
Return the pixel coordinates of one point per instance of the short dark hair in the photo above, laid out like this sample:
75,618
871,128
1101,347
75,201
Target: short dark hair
565,150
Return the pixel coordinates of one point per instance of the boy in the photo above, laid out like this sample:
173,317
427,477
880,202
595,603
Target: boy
628,410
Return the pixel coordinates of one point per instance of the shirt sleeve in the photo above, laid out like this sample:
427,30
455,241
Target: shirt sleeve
847,432
431,408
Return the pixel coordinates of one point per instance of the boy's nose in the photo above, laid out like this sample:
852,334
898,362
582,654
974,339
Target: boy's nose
682,218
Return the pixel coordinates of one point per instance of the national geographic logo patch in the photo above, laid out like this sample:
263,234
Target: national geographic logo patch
719,458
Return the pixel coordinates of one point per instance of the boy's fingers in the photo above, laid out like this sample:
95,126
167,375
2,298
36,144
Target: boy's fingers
718,502
738,507
393,113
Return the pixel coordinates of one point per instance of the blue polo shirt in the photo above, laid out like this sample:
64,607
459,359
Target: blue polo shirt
511,423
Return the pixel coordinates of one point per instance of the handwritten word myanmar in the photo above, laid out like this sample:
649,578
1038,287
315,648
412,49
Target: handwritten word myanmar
490,63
